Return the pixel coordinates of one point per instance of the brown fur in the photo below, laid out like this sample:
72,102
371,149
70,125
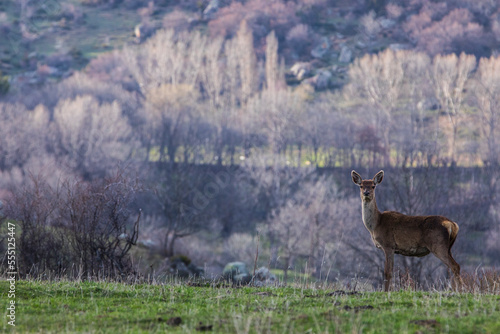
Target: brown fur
396,233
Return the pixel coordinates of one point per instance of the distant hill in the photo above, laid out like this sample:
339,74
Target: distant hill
47,41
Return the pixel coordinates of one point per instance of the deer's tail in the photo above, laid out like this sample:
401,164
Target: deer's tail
452,228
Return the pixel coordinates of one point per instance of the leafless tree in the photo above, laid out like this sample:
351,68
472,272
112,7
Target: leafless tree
76,227
91,136
450,76
378,80
23,134
185,198
486,90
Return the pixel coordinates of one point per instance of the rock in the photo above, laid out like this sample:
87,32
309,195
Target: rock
320,50
183,267
237,272
264,277
345,54
143,31
301,70
211,9
387,23
398,46
148,243
180,269
320,81
195,270
174,321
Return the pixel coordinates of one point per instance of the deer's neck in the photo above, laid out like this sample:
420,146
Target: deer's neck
371,214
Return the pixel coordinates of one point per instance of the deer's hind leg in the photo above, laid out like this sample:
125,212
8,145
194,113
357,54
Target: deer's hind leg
443,252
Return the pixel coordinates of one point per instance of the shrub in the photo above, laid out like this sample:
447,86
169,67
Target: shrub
177,20
300,39
451,33
370,27
262,17
84,225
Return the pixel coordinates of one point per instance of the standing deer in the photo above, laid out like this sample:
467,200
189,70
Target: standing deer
394,232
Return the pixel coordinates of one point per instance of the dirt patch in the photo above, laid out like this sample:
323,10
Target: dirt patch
204,328
264,293
358,308
426,322
343,293
174,321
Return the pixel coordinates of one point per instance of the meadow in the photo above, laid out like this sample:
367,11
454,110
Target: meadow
108,307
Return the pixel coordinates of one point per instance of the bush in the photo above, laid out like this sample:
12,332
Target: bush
177,20
452,33
84,225
300,39
261,16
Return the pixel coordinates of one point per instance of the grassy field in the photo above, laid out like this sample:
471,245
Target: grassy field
100,307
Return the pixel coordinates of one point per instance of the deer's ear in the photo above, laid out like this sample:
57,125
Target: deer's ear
356,178
379,177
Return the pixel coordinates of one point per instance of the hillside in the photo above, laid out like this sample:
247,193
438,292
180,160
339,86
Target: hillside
48,40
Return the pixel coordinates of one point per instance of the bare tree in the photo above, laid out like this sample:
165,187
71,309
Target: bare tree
486,90
75,227
102,225
450,76
275,74
185,199
22,134
91,136
275,112
416,125
378,79
169,110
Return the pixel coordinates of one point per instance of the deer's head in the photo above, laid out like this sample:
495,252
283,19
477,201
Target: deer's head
367,187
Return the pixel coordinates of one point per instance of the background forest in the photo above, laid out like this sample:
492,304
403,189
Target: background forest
134,131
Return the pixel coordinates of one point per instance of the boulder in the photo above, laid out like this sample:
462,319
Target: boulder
320,50
387,23
320,81
179,268
345,54
182,266
236,272
399,46
301,70
264,277
211,9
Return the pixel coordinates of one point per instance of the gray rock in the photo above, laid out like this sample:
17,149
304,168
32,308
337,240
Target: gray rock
180,269
301,70
320,50
345,54
211,9
236,272
264,277
148,243
196,271
398,46
320,81
387,23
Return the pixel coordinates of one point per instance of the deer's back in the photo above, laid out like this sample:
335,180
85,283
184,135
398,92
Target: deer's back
414,235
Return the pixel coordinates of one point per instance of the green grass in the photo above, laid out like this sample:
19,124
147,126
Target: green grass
62,307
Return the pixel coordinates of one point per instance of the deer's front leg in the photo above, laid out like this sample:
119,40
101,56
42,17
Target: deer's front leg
389,264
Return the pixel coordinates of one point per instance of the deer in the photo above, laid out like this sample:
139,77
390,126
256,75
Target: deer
396,233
